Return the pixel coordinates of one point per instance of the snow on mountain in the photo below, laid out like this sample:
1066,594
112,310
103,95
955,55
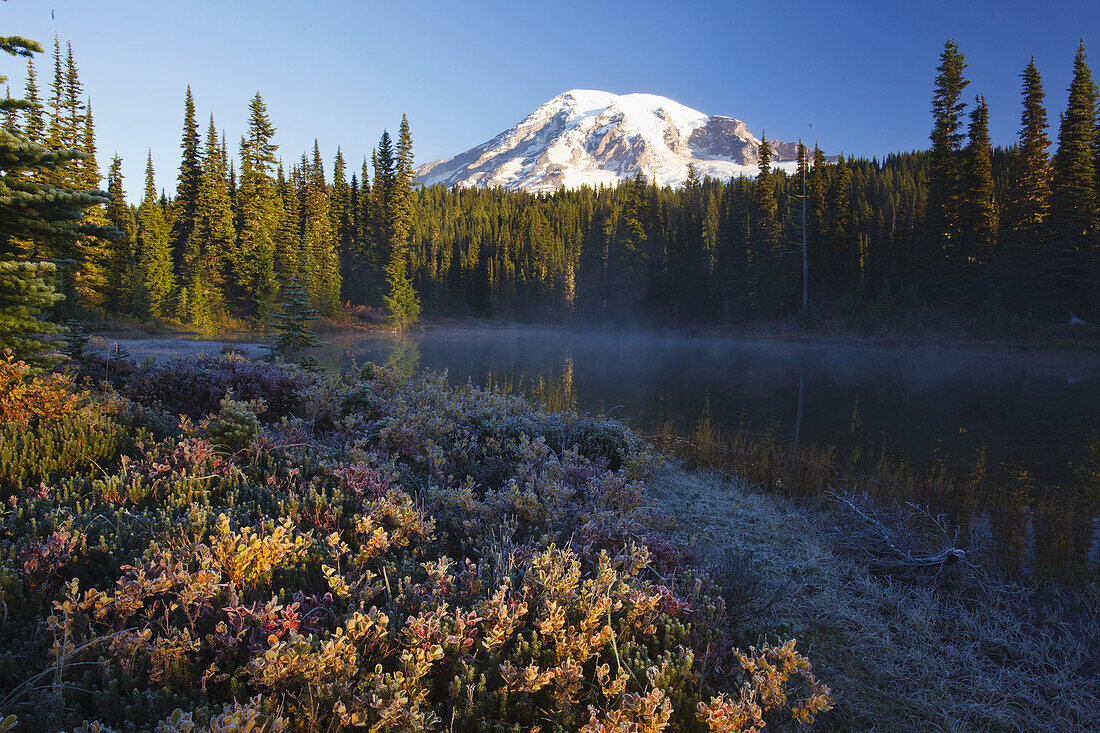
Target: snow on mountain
586,137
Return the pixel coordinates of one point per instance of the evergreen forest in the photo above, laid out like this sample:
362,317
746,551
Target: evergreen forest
962,227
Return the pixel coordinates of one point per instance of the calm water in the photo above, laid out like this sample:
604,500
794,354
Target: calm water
1021,429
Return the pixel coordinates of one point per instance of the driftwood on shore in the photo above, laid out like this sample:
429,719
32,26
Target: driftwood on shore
911,538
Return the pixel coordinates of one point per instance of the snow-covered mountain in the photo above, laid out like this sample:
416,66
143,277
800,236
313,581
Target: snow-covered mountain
591,137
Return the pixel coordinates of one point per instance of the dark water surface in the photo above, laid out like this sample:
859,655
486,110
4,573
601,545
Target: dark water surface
1021,429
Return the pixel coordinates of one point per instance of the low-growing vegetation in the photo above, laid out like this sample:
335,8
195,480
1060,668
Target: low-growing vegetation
213,543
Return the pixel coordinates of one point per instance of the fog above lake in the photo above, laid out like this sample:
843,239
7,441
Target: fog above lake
1000,418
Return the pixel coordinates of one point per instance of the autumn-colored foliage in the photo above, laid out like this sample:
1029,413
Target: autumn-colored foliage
26,396
377,553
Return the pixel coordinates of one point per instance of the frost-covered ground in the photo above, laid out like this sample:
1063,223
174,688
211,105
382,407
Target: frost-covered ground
164,348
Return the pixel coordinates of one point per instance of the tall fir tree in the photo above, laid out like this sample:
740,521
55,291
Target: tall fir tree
945,160
186,250
34,123
977,210
319,238
33,210
384,185
73,104
1029,191
1072,262
254,266
11,113
402,302
154,252
121,266
288,232
841,251
817,217
213,236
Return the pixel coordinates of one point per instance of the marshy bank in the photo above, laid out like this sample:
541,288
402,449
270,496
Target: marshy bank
228,564
952,647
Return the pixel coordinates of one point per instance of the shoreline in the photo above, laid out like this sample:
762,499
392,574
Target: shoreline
777,334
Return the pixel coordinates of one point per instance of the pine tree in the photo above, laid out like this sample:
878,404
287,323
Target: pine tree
11,113
841,255
944,169
766,228
292,324
73,103
34,125
1029,190
319,239
817,217
254,268
154,252
287,235
121,264
978,216
55,139
89,167
32,210
802,238
90,275
1071,265
402,302
213,236
384,184
187,252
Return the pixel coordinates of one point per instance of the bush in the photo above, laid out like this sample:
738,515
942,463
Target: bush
195,386
430,558
236,425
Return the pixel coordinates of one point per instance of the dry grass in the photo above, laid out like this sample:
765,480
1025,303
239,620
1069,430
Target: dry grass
954,651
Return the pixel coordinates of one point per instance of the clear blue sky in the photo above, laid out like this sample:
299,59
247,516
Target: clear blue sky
859,72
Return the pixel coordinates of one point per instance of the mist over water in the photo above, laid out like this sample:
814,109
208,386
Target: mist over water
1021,429
1018,430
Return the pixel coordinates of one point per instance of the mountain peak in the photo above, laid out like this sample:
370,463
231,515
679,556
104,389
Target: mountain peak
591,137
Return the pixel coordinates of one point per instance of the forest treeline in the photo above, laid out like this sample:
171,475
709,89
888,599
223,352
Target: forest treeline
963,227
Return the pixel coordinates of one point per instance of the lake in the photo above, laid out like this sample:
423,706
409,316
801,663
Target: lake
1020,428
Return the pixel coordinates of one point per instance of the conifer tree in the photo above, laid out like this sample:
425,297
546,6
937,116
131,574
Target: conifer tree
817,216
1072,263
841,252
1029,191
384,185
187,252
766,227
32,210
213,236
55,139
34,124
121,265
944,168
319,239
11,113
254,268
287,233
293,324
73,103
402,302
978,216
90,275
89,166
154,252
